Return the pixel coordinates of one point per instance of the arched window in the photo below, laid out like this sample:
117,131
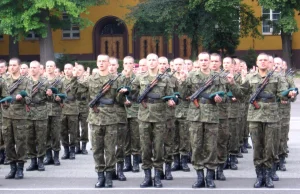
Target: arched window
112,28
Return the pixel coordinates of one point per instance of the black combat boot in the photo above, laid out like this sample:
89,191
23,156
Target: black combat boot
239,155
2,156
19,173
135,162
244,148
77,148
49,159
121,176
157,181
184,165
227,163
168,174
108,179
209,179
101,180
13,170
127,164
247,144
260,177
84,151
66,153
41,166
56,158
176,163
33,165
233,165
281,164
72,153
147,182
114,174
274,176
220,174
200,180
268,178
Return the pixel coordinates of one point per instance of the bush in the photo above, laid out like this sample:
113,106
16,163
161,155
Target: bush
250,58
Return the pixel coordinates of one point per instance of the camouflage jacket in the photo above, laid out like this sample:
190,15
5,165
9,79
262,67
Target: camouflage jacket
3,94
53,107
183,106
268,111
83,95
38,107
285,109
107,111
17,109
70,88
174,85
156,109
224,105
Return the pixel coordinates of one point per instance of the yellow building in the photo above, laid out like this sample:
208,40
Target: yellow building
107,35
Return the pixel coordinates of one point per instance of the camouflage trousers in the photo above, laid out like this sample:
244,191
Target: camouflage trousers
285,128
182,144
69,127
223,141
169,140
36,138
122,132
53,133
203,138
233,148
152,137
132,138
15,134
82,123
241,130
2,145
262,135
104,141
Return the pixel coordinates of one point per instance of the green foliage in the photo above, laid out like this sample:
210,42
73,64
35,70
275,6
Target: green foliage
64,59
250,58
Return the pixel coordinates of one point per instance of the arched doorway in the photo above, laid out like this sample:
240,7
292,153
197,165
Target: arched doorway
110,36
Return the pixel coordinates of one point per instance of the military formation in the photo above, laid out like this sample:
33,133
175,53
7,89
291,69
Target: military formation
163,115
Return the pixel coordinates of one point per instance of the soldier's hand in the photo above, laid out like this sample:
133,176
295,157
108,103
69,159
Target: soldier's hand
230,77
171,103
218,99
18,97
49,92
123,90
57,98
292,94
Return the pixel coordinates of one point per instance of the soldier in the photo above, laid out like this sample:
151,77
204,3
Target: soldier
56,71
36,139
181,136
54,117
263,117
70,113
152,118
3,68
42,70
189,64
223,132
196,66
204,123
24,70
15,119
82,103
104,124
143,68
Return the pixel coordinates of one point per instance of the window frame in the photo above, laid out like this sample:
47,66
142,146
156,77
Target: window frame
70,31
271,12
34,36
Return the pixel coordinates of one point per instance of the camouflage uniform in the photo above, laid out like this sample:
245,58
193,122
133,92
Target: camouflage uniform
152,123
15,126
2,145
70,114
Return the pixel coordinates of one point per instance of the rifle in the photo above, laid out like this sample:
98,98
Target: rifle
37,87
53,84
149,87
260,89
15,85
207,84
102,92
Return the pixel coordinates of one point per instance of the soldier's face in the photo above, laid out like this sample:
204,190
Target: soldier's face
50,67
215,63
178,64
227,64
56,72
128,64
24,70
196,66
143,67
162,65
34,69
152,62
203,60
42,70
278,64
68,70
189,65
262,62
14,66
172,67
80,71
2,68
113,67
102,63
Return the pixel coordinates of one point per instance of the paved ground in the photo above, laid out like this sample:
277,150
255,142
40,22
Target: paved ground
79,177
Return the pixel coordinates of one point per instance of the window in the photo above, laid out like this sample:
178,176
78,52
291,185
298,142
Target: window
72,31
270,17
32,36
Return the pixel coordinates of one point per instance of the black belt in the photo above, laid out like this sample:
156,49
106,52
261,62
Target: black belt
266,100
106,101
153,100
206,101
32,104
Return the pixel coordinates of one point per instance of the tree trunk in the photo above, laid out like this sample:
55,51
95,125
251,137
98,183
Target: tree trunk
286,39
46,44
13,47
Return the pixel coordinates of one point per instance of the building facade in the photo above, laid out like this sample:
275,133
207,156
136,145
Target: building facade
108,35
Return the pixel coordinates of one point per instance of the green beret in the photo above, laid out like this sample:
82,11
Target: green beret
23,93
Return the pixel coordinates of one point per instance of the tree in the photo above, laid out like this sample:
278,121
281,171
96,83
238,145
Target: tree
286,25
205,21
18,18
